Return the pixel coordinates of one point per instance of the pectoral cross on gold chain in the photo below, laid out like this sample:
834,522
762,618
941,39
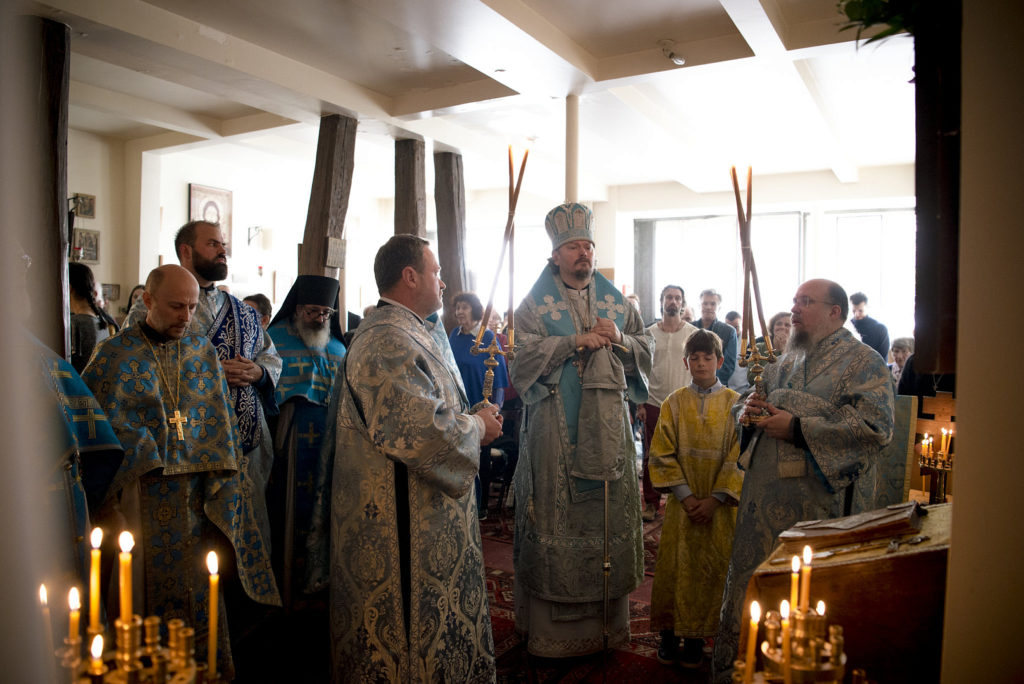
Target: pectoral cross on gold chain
178,420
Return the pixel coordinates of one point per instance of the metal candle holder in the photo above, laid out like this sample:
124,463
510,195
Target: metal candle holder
491,362
138,659
813,657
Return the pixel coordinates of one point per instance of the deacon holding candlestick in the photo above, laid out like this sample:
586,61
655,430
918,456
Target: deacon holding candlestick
173,416
799,459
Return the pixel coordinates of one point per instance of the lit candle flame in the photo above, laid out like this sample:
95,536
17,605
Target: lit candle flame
211,562
820,608
808,554
796,564
97,647
784,609
42,594
755,611
96,537
74,601
126,541
944,433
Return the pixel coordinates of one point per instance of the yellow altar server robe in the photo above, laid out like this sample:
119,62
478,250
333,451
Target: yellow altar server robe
695,444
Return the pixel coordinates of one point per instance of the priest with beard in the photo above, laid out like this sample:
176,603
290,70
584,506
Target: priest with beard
307,335
825,416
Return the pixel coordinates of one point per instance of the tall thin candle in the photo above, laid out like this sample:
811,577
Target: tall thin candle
127,543
74,616
96,651
805,580
755,618
47,625
211,649
787,673
94,580
794,582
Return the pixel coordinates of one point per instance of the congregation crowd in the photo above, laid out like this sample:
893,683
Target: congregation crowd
361,465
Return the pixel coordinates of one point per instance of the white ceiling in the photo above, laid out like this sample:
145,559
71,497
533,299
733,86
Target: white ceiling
771,83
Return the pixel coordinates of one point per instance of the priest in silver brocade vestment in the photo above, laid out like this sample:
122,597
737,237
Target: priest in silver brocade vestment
408,602
582,352
829,411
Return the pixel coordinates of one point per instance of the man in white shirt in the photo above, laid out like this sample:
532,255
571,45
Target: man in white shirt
668,374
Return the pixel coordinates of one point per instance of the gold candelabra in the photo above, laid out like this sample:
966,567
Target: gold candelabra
795,648
138,656
936,465
751,355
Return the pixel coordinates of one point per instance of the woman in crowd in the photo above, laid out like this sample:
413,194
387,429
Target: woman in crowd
780,325
89,325
469,313
902,348
133,296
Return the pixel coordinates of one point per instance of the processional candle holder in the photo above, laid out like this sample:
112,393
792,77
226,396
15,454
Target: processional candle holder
507,245
751,355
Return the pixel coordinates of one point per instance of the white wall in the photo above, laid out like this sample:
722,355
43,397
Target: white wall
96,167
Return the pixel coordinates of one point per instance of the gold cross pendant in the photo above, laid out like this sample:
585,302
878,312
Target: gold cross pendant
178,420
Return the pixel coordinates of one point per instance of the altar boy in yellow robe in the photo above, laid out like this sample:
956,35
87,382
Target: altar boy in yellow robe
693,455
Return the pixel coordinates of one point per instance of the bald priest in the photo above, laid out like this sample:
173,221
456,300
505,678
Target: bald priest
180,486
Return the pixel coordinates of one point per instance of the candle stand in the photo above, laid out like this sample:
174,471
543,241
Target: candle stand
813,657
937,467
139,657
492,350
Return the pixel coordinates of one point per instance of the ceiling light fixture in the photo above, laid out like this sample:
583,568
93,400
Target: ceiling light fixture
667,49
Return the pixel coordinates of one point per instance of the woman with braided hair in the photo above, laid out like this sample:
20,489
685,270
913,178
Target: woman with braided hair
89,324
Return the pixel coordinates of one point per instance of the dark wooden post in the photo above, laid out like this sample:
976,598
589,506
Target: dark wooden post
937,177
410,188
450,204
643,271
41,97
322,251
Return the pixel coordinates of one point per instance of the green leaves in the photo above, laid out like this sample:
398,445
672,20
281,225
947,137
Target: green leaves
898,15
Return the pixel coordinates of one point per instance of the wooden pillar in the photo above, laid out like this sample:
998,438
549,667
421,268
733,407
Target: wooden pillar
450,204
643,273
937,178
410,188
33,197
40,97
322,251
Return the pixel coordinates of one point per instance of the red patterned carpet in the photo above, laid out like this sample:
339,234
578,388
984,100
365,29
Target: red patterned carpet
635,663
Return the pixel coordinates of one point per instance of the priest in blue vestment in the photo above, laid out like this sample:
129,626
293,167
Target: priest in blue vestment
183,487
